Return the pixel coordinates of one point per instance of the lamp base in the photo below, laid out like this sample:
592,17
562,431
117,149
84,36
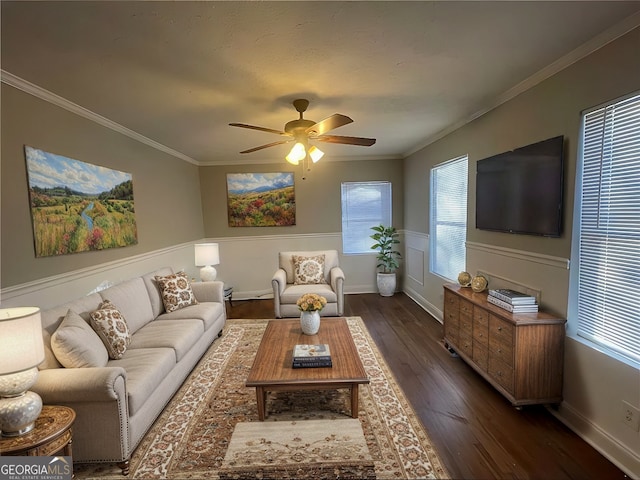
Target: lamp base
208,274
18,414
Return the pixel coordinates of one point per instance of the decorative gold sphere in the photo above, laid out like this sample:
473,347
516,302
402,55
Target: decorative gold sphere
479,283
464,279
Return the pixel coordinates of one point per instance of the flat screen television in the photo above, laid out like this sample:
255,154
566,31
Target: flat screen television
521,191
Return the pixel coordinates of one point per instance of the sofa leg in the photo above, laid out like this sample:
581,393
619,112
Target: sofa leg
219,333
125,467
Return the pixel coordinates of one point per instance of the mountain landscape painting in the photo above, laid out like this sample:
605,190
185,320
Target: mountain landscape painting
261,199
78,207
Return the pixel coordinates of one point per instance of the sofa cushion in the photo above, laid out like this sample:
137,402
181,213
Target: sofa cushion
155,296
176,291
180,335
52,318
207,312
308,270
111,327
132,299
146,369
292,293
77,345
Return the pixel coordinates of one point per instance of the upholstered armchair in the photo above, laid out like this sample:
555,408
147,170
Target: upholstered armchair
308,272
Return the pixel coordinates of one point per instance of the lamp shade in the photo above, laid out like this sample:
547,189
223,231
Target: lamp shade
21,346
207,254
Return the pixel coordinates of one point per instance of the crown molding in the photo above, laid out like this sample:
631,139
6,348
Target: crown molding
39,92
587,48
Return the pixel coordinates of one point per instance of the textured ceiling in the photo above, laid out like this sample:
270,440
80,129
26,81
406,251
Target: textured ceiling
180,72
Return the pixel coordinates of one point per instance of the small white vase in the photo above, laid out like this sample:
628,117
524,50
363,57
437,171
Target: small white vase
310,322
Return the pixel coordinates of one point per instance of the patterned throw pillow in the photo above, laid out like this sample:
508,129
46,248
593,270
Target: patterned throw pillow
112,329
176,291
308,270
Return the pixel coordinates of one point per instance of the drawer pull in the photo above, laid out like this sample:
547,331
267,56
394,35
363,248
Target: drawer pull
499,329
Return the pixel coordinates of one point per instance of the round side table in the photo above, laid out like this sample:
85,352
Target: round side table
50,435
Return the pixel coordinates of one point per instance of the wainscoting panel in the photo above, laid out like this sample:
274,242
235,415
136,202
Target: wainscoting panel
246,263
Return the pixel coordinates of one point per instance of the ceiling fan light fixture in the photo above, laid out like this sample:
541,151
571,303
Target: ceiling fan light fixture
315,153
296,154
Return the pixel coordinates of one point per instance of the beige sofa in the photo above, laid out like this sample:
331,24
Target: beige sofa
117,403
286,292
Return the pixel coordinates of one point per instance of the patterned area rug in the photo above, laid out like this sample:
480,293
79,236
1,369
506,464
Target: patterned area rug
213,418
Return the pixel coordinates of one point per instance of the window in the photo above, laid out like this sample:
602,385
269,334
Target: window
608,229
364,205
448,218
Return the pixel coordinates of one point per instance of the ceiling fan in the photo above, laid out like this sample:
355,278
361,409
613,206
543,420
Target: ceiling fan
302,130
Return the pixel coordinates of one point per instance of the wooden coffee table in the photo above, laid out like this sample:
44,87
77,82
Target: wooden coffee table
272,370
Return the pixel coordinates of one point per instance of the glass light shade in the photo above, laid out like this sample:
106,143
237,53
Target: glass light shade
315,153
207,255
21,351
296,154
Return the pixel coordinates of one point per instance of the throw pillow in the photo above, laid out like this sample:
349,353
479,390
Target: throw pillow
112,329
308,270
76,345
176,291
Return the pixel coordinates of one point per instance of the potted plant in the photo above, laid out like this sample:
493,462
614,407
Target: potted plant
386,238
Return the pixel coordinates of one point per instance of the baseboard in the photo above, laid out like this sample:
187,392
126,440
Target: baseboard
620,455
430,308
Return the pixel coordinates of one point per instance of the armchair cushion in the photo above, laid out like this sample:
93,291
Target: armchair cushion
308,270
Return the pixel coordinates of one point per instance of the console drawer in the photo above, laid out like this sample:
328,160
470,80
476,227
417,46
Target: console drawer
501,373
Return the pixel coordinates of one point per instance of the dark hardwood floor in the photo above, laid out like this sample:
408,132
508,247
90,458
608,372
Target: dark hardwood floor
476,431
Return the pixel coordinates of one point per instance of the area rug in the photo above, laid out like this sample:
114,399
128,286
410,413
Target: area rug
209,422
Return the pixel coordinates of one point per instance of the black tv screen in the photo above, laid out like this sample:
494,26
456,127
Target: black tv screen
521,191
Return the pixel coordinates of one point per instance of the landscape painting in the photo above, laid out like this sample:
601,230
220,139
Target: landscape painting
261,199
78,207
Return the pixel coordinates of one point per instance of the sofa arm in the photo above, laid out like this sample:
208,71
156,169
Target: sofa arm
68,385
208,291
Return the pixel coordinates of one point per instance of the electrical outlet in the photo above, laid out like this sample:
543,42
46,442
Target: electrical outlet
630,416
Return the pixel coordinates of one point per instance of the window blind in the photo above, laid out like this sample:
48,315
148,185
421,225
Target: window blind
449,218
364,205
609,244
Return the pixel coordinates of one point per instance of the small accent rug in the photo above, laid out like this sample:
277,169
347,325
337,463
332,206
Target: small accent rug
304,449
210,429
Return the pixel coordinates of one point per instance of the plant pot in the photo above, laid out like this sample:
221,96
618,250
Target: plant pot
386,284
310,322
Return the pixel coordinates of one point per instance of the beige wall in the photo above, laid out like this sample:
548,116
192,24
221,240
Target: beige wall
317,198
592,402
166,189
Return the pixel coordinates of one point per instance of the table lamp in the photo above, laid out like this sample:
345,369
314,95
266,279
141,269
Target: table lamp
207,255
21,351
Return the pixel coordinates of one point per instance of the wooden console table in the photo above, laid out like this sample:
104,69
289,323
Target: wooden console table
50,435
521,355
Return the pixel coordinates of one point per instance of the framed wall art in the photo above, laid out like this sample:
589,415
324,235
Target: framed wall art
261,199
78,207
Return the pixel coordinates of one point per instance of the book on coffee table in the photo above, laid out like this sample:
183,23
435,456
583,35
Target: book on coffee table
311,356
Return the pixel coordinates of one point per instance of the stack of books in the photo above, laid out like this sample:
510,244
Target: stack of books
513,301
311,356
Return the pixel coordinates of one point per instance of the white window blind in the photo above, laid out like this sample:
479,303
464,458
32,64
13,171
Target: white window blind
364,205
609,244
449,217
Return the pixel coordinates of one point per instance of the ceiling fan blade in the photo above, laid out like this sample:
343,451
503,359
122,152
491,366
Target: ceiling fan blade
363,142
334,121
262,129
255,149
